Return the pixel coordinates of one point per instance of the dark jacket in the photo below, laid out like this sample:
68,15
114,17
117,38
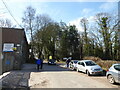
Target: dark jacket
38,61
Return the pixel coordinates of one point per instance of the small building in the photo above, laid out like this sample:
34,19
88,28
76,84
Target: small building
15,49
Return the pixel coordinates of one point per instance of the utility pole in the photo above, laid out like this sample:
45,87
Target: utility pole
1,51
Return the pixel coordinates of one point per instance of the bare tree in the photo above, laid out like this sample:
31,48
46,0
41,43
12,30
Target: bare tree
5,23
104,28
42,20
41,23
84,24
28,21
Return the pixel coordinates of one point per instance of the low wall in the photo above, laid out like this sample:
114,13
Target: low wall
11,61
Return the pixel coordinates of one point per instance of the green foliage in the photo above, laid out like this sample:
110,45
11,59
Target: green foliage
61,40
69,43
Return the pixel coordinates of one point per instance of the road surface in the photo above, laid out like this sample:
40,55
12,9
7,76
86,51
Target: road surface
54,76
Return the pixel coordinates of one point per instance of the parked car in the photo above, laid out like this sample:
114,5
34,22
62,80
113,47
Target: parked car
89,67
64,59
52,61
73,64
113,74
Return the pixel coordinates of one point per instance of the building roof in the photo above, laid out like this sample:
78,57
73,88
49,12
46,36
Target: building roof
13,35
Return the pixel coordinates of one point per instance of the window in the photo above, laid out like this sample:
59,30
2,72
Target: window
78,63
82,63
117,67
75,62
90,63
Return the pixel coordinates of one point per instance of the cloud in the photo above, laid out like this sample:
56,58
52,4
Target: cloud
86,11
63,0
2,14
108,6
91,19
76,22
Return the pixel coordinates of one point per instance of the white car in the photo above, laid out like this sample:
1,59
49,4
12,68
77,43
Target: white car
64,59
73,64
89,67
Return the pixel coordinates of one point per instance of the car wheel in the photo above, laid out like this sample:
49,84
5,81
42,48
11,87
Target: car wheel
77,70
87,72
111,79
72,68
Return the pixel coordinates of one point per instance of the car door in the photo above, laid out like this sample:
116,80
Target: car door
116,73
75,64
71,64
82,66
79,66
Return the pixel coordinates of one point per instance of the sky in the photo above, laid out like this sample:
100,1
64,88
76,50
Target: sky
68,11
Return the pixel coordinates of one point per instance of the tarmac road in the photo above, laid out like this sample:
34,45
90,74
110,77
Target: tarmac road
57,76
52,76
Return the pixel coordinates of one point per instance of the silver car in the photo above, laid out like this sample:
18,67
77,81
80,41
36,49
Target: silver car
89,67
113,74
73,64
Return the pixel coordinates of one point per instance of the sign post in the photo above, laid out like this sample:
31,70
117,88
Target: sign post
8,47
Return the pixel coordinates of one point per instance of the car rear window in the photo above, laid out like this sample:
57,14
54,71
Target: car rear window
90,63
75,62
52,60
117,67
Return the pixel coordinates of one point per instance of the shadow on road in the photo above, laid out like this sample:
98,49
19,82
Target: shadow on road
19,79
46,68
55,68
103,74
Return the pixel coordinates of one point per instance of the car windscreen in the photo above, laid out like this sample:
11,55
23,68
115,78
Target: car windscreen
52,60
90,63
117,67
75,62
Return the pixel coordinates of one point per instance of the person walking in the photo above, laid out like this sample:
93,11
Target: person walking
38,62
67,62
41,66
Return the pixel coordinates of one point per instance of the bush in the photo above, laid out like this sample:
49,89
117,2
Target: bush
106,64
95,59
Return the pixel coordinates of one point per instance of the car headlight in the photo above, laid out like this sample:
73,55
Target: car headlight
92,69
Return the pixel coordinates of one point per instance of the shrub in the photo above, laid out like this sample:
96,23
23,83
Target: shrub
106,64
95,59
